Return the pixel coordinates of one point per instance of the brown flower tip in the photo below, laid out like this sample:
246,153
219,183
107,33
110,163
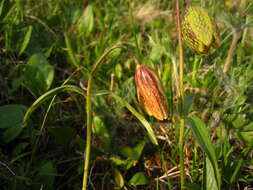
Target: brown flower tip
200,31
150,93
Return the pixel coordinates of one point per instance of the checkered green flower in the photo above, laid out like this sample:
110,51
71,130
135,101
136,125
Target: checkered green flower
200,31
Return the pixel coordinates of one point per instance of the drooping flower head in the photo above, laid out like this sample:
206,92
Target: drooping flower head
150,93
200,31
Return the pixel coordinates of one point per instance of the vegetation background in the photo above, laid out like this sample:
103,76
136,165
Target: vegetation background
47,44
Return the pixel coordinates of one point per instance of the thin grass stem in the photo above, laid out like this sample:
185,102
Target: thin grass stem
89,116
34,148
181,88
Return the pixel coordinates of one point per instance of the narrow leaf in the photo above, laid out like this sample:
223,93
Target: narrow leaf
47,95
146,124
118,178
86,22
70,51
203,137
211,183
26,40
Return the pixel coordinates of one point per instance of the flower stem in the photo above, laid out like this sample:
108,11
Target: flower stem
181,88
89,116
232,49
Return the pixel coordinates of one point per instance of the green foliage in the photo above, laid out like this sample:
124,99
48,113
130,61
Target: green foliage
119,180
138,179
202,136
131,154
47,51
11,117
63,135
46,175
99,129
86,22
210,179
26,40
39,74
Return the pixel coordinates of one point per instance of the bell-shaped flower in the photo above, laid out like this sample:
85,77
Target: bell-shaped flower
200,31
150,93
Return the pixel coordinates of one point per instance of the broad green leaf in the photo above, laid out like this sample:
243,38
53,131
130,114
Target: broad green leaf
39,74
211,182
157,49
11,115
11,133
118,178
86,22
100,129
156,52
26,40
46,175
133,153
202,135
63,135
11,118
146,124
138,179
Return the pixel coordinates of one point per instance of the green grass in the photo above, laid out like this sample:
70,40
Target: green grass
47,52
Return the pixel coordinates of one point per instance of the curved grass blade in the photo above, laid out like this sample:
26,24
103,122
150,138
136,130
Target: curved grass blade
146,124
44,97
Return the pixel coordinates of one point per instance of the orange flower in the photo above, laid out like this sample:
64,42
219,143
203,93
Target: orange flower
150,93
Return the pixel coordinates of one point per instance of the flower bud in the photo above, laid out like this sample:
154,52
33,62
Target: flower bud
150,93
200,30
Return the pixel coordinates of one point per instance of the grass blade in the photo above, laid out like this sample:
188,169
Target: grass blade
202,135
146,124
26,40
70,51
211,183
44,97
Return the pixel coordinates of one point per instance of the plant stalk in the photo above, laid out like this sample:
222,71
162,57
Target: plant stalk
89,116
232,49
181,88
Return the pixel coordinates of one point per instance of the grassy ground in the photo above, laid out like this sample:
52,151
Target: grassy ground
50,47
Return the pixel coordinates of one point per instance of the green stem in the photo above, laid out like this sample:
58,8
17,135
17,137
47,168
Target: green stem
89,117
36,142
181,88
181,151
